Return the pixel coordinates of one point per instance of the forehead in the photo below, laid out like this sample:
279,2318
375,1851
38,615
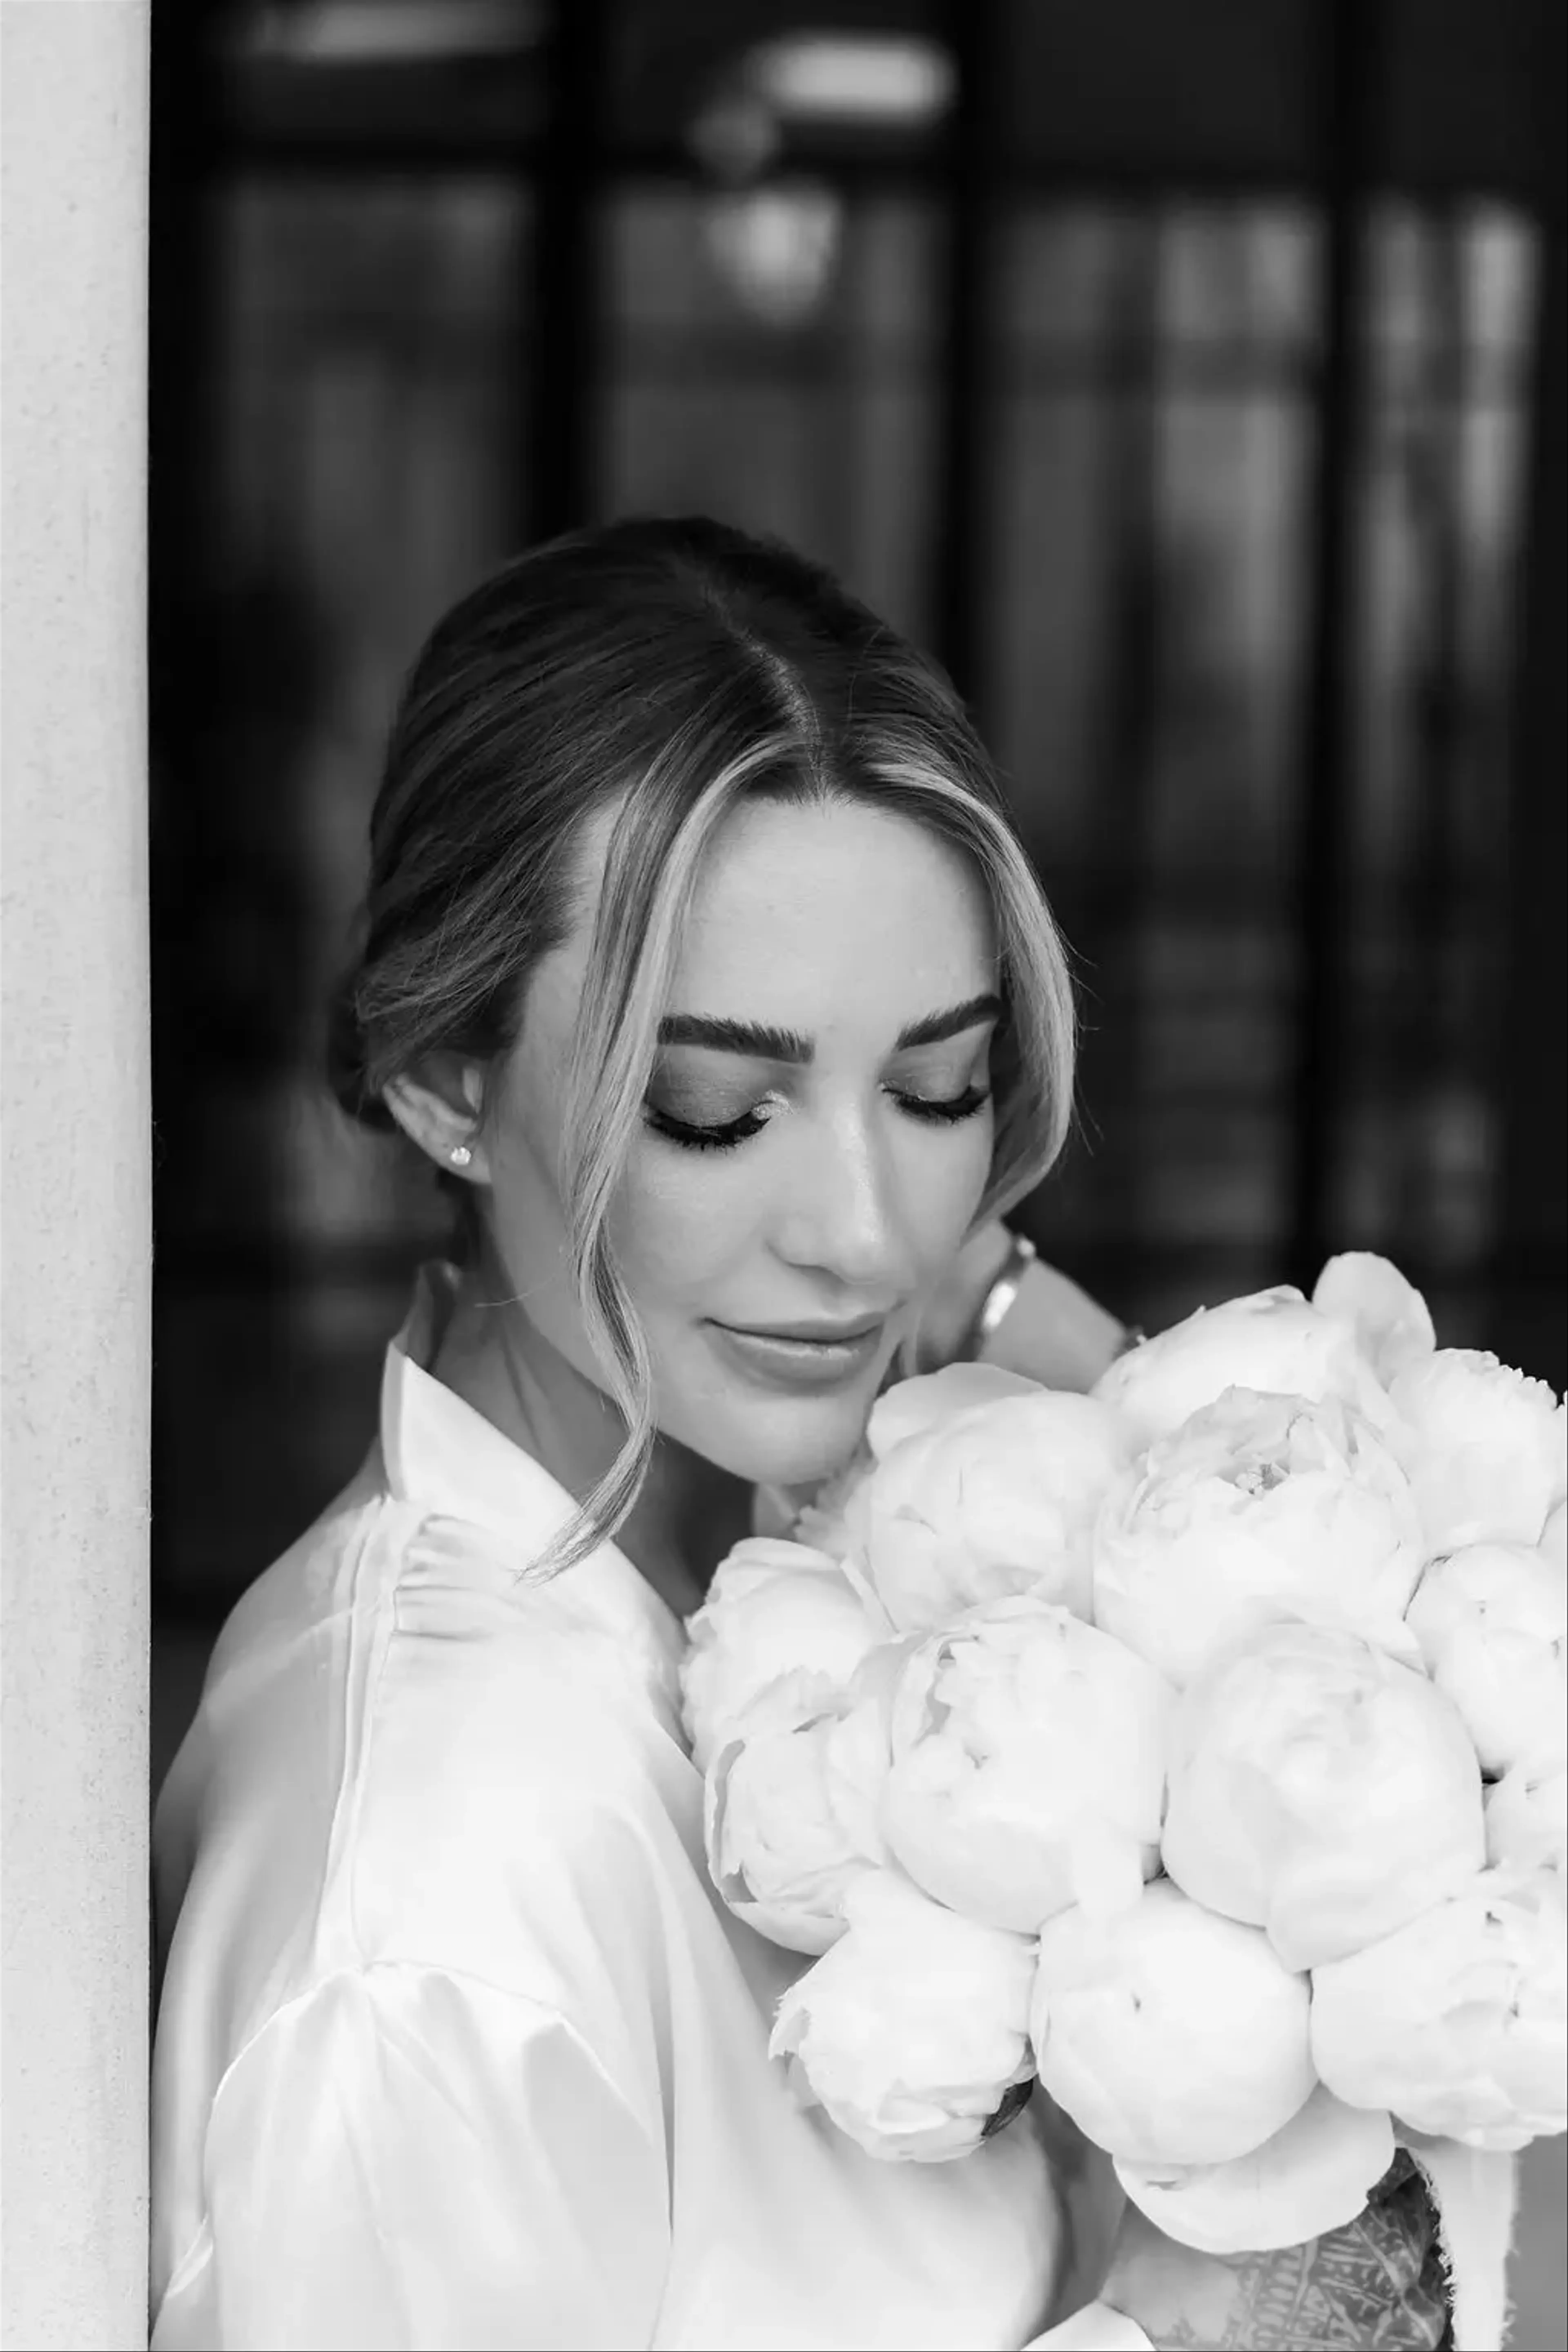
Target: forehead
838,920
851,896
834,900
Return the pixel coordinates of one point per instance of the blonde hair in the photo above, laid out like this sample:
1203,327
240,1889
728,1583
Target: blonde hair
681,668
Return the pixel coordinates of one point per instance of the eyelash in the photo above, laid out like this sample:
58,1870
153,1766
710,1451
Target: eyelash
741,1129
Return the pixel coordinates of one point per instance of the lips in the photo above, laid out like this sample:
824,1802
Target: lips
814,1335
794,1358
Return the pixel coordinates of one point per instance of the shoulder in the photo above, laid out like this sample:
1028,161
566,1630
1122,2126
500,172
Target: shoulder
535,1729
507,1684
307,1585
408,1754
274,1665
523,1809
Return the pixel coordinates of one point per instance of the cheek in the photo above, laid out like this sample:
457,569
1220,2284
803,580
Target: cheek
522,1140
527,1221
946,1172
681,1221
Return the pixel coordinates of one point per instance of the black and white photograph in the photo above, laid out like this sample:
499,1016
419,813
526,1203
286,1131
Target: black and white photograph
784,1291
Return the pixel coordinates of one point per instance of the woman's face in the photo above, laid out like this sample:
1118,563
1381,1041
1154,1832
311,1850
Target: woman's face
815,1139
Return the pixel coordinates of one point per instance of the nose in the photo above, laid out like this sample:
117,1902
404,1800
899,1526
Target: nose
842,1214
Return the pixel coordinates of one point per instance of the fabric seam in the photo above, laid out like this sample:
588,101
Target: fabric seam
341,1879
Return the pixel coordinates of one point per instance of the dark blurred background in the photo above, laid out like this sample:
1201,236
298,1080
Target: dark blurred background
1189,377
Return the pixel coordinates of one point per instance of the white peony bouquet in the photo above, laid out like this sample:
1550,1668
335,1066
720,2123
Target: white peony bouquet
1197,1749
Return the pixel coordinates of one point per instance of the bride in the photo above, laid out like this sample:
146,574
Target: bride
701,959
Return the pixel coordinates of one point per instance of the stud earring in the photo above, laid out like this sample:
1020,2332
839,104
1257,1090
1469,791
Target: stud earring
460,1155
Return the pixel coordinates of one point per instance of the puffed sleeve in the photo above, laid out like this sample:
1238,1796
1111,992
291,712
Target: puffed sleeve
405,2158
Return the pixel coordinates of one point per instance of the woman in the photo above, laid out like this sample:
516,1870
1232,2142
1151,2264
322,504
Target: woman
700,953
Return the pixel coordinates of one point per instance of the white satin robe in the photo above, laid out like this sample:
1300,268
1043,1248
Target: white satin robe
456,2047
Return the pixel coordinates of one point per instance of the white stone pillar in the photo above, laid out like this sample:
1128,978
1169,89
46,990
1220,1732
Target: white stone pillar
74,1307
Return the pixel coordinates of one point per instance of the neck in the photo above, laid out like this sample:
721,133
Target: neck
688,1513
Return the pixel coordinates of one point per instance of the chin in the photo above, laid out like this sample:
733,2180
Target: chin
793,1443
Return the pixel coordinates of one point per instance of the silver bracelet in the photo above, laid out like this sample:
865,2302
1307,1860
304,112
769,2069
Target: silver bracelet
998,1300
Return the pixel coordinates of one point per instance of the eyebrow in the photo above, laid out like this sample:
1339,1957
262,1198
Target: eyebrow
761,1043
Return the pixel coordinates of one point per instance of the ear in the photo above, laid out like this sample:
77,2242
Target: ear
439,1105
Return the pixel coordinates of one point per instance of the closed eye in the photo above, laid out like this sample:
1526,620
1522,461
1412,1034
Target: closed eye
705,1139
936,1110
948,1110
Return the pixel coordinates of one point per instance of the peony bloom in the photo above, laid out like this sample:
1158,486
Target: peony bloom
1484,1447
1527,1819
1391,1320
1000,1499
1176,2037
822,1522
1028,1765
912,2029
1321,1791
1456,2022
791,1810
1261,1507
1273,1341
772,1608
913,1408
1492,1623
1554,1535
1314,2174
